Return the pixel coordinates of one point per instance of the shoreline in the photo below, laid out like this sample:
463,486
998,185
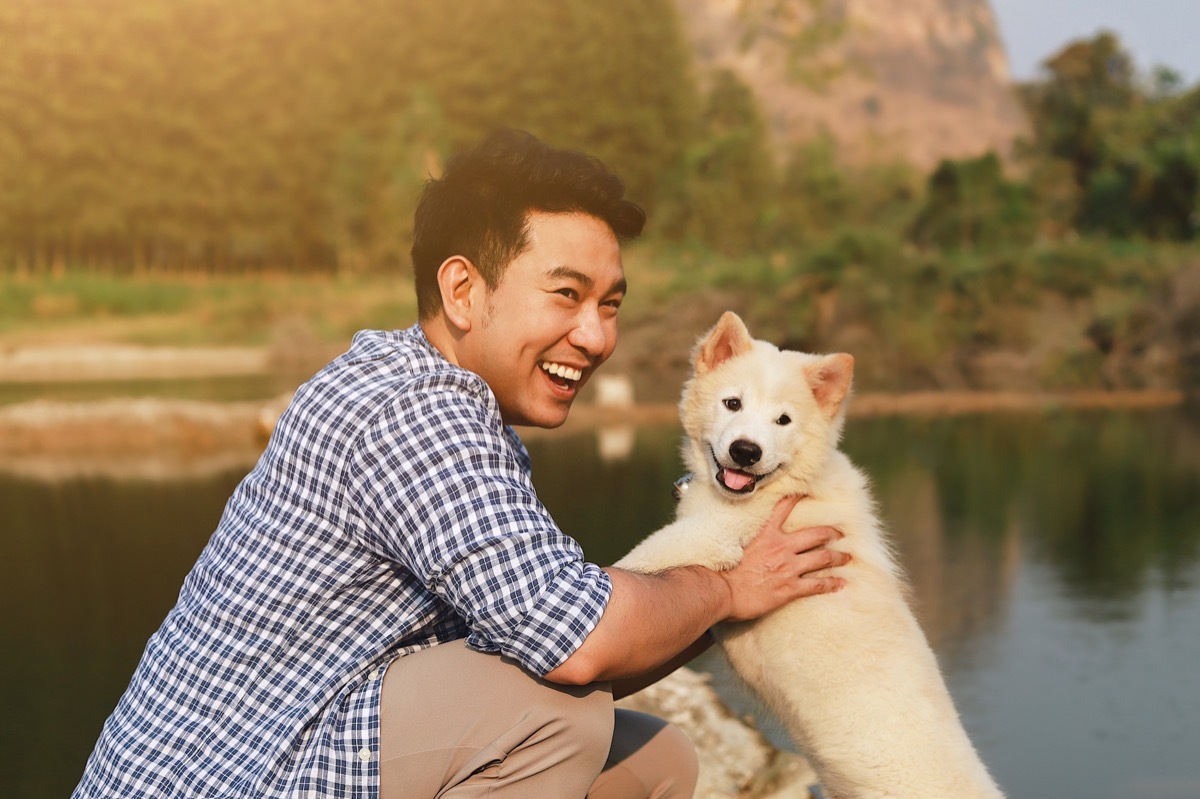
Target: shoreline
155,438
175,438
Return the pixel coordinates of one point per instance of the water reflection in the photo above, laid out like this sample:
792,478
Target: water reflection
1055,561
92,566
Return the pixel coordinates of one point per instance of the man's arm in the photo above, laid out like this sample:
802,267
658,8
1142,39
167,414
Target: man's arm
652,618
625,686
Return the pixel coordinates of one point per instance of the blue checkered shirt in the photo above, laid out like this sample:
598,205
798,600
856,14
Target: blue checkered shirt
392,510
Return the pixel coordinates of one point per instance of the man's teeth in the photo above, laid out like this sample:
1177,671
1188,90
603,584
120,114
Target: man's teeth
562,371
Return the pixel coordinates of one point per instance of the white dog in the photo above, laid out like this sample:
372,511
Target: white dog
850,673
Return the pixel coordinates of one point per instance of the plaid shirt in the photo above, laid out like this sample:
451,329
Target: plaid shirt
392,510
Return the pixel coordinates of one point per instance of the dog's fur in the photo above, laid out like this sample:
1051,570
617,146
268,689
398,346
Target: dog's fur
849,673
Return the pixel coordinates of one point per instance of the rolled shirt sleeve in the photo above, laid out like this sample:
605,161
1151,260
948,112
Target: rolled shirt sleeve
444,491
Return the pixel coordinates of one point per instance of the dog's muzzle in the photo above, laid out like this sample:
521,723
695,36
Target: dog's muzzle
737,481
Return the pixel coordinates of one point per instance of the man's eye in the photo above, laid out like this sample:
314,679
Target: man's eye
570,294
732,403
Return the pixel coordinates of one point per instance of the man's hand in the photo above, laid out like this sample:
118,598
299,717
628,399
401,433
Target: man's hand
652,618
776,565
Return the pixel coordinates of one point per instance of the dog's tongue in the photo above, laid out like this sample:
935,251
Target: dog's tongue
735,480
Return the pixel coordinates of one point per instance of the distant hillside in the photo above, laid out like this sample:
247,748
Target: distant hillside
916,79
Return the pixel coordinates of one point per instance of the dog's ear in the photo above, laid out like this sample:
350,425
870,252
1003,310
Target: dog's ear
728,339
830,379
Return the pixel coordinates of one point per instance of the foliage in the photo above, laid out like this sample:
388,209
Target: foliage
820,194
970,204
174,309
226,136
269,156
728,179
1132,152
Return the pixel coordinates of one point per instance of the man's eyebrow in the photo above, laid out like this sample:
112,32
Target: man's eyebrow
570,273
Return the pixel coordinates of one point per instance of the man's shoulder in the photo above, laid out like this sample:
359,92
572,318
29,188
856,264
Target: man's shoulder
404,359
407,346
397,375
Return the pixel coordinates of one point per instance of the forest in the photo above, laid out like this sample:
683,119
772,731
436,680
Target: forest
295,134
220,138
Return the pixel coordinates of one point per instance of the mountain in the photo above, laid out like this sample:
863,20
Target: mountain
919,80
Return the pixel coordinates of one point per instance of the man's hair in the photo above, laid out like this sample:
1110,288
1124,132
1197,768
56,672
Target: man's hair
479,208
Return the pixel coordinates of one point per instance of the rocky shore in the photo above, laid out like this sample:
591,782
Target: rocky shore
736,761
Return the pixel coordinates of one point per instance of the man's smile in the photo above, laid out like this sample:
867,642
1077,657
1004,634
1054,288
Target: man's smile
567,374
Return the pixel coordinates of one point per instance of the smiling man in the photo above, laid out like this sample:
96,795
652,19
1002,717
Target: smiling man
538,335
386,609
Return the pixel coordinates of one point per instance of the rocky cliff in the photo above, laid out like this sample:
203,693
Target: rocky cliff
915,79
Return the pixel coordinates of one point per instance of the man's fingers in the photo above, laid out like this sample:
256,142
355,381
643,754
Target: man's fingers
813,586
783,507
819,558
813,537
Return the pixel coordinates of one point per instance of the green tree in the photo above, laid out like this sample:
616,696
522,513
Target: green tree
729,179
1148,183
214,134
1130,147
970,205
1088,86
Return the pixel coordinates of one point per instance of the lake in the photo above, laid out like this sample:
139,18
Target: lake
1055,560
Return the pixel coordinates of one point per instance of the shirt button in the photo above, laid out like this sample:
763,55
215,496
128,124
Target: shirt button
374,675
364,754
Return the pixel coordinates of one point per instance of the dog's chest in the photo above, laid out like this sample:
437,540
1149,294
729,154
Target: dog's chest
720,527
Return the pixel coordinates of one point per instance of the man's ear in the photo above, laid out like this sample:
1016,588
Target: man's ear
461,287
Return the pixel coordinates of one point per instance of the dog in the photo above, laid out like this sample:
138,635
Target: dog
850,673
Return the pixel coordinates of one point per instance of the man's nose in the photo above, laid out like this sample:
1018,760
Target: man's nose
589,334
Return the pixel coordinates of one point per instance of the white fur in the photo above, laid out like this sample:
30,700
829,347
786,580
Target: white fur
850,673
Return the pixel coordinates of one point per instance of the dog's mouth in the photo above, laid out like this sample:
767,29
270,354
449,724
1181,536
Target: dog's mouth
736,481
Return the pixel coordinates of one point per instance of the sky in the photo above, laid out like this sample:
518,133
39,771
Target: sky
1154,32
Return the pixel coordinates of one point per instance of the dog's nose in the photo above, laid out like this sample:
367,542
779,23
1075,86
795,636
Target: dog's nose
745,453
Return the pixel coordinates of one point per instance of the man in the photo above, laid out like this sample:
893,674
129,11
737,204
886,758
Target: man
385,608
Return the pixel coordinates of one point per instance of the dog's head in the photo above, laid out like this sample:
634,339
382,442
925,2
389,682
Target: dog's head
758,417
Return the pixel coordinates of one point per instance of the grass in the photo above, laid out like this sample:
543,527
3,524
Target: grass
915,317
189,310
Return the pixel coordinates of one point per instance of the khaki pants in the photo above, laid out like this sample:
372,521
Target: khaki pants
459,723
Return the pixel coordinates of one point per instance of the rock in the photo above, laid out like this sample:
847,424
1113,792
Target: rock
915,79
736,761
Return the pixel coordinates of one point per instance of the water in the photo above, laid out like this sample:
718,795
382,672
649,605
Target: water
1055,560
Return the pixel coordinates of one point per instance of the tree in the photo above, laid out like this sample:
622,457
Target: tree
215,134
970,205
728,171
1132,149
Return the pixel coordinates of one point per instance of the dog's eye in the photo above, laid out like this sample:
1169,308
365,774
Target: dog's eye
782,420
732,403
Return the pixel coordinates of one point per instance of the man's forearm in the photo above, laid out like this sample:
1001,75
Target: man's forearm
650,619
631,685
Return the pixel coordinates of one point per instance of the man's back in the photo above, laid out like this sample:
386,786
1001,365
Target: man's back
349,543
